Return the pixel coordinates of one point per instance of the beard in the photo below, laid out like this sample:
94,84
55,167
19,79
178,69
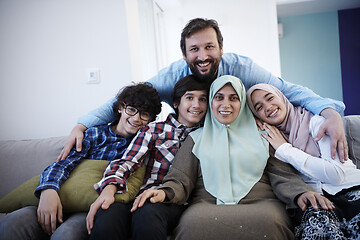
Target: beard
205,77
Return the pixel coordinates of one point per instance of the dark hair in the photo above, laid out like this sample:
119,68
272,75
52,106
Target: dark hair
198,24
141,96
188,83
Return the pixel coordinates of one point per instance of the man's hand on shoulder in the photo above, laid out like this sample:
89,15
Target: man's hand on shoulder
75,138
334,127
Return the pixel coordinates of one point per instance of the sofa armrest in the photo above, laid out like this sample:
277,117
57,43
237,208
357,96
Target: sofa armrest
352,132
24,159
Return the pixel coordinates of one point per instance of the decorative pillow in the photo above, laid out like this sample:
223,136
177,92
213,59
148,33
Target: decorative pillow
77,192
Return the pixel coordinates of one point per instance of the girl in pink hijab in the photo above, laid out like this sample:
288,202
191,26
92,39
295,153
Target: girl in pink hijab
291,131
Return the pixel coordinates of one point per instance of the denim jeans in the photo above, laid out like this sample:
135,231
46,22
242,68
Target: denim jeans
23,224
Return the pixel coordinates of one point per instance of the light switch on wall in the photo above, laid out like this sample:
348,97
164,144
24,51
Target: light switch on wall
93,75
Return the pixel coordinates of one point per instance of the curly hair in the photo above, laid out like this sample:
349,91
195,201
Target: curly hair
141,96
198,24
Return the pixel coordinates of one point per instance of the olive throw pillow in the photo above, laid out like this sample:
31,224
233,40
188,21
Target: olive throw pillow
77,192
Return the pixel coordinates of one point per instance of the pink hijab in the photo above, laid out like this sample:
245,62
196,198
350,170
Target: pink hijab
295,127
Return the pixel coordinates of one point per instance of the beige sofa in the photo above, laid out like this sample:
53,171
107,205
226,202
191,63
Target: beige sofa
21,160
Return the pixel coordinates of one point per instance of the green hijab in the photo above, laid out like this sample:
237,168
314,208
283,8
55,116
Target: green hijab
232,157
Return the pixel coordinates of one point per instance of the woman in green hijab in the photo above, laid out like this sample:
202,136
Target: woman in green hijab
219,171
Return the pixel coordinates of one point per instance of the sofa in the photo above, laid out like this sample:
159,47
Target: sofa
23,159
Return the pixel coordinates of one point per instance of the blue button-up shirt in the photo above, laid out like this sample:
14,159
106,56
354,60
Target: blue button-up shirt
231,64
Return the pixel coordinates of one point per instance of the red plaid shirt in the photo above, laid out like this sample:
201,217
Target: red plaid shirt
154,145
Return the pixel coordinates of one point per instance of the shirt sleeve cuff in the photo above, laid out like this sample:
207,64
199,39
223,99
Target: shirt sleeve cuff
280,153
38,190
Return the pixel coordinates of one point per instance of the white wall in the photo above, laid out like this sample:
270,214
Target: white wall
249,27
46,46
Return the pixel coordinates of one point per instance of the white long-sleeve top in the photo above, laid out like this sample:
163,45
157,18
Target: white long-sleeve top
322,173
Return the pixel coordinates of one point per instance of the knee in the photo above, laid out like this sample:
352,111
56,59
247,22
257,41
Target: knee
102,225
73,228
149,222
21,224
103,222
111,222
20,217
150,213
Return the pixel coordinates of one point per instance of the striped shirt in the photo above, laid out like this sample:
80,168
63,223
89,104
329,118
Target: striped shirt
154,145
99,143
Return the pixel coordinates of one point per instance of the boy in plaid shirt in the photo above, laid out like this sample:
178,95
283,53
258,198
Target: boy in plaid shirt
135,106
155,145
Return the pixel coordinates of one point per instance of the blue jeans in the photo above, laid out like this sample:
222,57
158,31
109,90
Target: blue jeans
23,224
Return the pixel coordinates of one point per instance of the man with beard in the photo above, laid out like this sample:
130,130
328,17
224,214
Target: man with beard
202,47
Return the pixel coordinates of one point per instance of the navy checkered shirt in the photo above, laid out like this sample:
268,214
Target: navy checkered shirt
99,143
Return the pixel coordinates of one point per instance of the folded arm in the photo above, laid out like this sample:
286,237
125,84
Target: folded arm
320,169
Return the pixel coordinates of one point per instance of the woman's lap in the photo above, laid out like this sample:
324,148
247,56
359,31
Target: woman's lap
263,218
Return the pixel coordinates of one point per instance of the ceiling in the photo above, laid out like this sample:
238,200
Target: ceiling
300,7
289,7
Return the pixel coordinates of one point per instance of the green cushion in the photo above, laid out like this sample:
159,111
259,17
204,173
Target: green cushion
77,193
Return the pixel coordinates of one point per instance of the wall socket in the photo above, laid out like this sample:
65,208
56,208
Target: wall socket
92,75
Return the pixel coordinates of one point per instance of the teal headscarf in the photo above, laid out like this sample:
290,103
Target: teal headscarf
232,157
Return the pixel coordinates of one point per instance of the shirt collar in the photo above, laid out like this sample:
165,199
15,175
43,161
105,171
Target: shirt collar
129,137
220,68
171,119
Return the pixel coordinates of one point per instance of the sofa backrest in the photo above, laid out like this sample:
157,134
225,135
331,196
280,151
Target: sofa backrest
352,132
24,159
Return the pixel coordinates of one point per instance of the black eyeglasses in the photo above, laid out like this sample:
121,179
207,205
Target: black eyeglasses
131,111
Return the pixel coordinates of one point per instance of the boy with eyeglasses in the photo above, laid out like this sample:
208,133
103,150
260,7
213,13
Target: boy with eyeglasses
155,145
135,106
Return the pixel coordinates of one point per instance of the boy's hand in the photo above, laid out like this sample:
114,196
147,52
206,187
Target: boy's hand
49,210
76,137
334,127
314,199
274,136
155,196
104,201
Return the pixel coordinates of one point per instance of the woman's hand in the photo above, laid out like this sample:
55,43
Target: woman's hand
314,199
274,136
155,196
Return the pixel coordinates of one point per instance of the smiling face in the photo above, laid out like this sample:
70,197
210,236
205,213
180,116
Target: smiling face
269,107
226,105
192,107
203,54
128,124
